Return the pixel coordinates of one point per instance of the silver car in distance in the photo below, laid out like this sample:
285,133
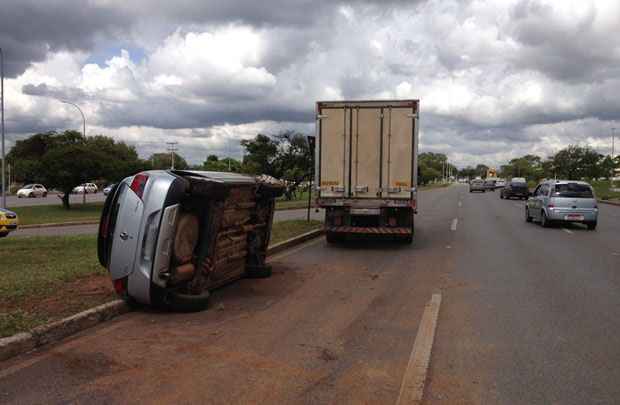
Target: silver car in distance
562,201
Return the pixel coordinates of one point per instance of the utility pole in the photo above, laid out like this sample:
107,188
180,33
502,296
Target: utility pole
613,136
2,125
172,148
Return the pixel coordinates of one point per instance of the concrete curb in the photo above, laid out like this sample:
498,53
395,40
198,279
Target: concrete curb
53,332
57,224
56,331
617,204
297,240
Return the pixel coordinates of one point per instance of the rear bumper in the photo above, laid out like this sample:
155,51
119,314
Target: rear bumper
363,230
560,215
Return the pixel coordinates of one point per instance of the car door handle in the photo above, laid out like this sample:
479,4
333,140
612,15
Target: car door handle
124,235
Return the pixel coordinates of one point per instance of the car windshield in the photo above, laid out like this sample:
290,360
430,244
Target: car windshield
28,186
572,190
519,183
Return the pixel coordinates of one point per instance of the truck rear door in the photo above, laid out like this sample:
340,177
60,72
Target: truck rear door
366,152
334,133
398,157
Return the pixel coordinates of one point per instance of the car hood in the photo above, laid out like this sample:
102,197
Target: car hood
5,211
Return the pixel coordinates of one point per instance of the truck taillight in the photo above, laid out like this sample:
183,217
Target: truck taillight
139,183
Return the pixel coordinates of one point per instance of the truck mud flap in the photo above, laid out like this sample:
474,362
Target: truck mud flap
361,230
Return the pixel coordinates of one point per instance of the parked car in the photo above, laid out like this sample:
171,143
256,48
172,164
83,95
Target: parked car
107,190
8,222
563,201
489,184
500,183
87,188
517,187
32,191
477,185
167,237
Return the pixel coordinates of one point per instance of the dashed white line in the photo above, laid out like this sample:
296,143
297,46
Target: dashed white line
460,205
455,221
567,231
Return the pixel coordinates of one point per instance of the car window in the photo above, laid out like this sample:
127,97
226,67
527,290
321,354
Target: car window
28,186
572,190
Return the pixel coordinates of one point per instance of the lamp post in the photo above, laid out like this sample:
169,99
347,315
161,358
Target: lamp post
2,124
83,133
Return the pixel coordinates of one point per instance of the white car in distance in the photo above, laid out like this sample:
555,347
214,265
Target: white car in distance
32,191
85,188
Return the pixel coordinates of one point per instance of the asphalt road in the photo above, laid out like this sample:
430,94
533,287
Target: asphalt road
51,199
529,316
281,215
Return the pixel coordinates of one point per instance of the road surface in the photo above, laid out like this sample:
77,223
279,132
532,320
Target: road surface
51,199
528,316
281,215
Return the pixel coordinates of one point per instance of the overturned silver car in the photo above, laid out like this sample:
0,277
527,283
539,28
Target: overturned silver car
168,237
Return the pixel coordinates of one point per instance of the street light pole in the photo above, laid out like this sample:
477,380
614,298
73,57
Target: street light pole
83,133
2,124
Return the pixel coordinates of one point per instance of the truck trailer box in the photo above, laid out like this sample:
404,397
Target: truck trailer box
366,165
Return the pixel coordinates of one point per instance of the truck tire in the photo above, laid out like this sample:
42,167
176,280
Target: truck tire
333,237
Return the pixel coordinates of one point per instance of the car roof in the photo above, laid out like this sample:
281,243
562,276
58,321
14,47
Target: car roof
584,183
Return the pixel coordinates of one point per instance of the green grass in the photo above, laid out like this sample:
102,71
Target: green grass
45,214
35,269
602,190
284,230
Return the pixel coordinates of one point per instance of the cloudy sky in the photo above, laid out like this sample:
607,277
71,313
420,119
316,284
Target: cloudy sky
496,78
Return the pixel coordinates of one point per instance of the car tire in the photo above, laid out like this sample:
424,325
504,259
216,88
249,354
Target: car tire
544,221
31,195
591,225
44,195
258,271
19,196
4,234
501,196
528,218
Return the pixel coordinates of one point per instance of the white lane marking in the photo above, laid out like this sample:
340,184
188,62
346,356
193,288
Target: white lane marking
460,205
286,253
519,205
455,221
412,386
567,231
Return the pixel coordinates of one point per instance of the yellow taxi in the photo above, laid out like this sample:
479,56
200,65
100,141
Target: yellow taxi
8,222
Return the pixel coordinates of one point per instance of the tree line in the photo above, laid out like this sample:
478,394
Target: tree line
572,163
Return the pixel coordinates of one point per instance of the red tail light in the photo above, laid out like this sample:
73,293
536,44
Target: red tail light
120,285
139,183
551,206
337,221
392,221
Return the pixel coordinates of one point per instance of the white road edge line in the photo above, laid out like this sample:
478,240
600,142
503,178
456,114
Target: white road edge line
288,252
455,221
412,386
567,231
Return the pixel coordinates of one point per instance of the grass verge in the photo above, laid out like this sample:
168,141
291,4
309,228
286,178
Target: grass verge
603,190
45,278
45,214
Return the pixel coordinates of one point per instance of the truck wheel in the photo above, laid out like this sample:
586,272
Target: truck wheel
333,237
258,271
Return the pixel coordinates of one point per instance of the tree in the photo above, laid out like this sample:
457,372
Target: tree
294,160
481,170
261,154
214,163
163,161
65,160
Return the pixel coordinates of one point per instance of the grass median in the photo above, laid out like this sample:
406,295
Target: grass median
44,278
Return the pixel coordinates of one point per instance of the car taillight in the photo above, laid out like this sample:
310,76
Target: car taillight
338,221
392,221
551,206
139,183
120,285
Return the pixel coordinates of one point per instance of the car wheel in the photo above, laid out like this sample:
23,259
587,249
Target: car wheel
528,218
4,234
30,195
544,221
19,196
44,195
501,196
591,225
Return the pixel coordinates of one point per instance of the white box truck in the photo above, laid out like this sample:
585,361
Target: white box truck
367,167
